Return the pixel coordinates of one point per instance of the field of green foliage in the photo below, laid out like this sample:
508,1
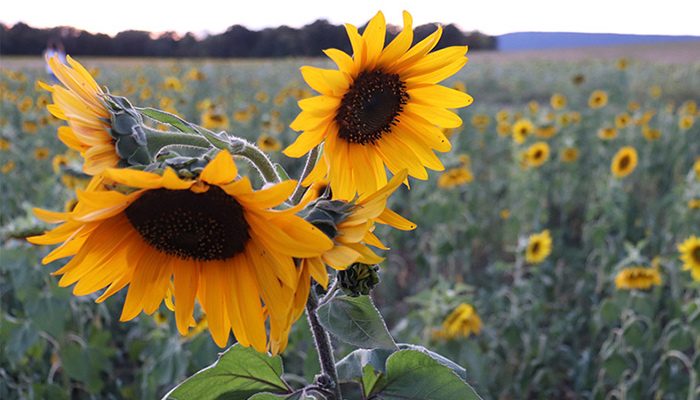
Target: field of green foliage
536,152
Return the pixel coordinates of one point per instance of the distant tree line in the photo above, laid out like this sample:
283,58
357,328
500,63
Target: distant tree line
236,42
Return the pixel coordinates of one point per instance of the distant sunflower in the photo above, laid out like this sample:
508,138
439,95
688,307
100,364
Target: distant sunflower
637,278
651,134
462,322
696,167
454,177
268,143
598,99
655,91
569,154
690,255
503,128
41,153
622,120
558,101
539,247
624,162
546,131
522,128
694,204
382,108
622,64
607,133
537,154
215,238
686,122
80,104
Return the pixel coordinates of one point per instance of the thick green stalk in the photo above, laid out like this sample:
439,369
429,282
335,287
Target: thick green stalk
260,160
159,139
323,346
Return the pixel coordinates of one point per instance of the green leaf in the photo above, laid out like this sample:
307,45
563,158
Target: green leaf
352,366
300,395
281,172
412,374
356,321
238,374
372,378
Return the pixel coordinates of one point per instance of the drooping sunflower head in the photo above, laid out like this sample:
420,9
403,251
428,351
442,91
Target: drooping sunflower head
537,154
383,107
80,102
624,162
690,255
462,322
539,247
637,278
212,237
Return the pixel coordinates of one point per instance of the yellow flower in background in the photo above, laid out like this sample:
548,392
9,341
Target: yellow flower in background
481,122
522,129
42,153
688,107
690,255
196,75
558,101
4,144
637,278
8,166
212,239
569,154
533,107
624,162
25,105
578,79
537,154
651,134
42,101
686,122
622,120
29,127
215,121
634,106
503,128
505,213
696,167
459,85
59,161
655,92
454,177
694,204
80,104
172,83
622,64
539,247
502,115
546,131
607,133
598,99
382,108
242,116
268,143
462,322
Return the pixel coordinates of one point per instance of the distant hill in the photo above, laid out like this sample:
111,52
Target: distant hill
552,40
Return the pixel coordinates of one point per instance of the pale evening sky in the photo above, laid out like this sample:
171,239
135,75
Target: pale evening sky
670,17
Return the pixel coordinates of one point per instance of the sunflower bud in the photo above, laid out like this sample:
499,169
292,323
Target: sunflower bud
358,279
327,214
127,130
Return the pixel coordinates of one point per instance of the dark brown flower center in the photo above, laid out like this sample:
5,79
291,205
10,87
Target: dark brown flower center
535,247
624,162
695,254
201,226
371,107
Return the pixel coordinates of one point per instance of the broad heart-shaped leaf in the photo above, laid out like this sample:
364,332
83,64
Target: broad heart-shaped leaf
238,374
352,366
356,321
412,374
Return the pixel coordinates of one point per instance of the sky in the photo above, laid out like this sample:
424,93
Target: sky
669,17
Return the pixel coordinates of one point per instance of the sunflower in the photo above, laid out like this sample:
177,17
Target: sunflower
268,143
461,322
690,255
503,128
213,239
569,154
41,153
655,91
350,239
624,162
558,101
637,278
537,154
382,108
622,120
598,99
622,64
522,128
694,204
607,133
651,134
454,177
686,122
80,104
696,167
547,131
539,247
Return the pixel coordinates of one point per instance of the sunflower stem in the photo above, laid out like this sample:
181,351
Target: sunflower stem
261,162
311,160
159,139
323,346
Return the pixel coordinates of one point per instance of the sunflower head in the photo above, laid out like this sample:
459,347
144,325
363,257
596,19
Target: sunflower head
624,162
637,278
522,129
537,154
690,255
558,101
539,247
462,322
382,108
598,99
570,154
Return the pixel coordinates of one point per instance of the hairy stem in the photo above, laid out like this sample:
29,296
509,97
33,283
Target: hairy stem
311,160
263,164
323,345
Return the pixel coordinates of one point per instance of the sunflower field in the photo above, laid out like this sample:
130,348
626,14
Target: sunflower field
556,256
